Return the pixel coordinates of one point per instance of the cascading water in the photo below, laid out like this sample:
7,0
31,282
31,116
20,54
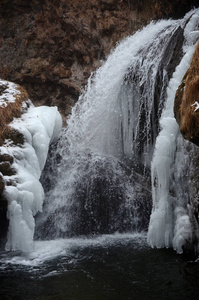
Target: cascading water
97,179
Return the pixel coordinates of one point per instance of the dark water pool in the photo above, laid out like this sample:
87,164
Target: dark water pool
108,268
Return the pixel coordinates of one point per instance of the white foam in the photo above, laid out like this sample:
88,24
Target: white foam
48,250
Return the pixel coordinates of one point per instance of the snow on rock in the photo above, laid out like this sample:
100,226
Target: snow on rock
40,127
8,92
196,104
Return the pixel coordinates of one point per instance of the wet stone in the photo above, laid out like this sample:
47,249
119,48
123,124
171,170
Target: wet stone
6,157
2,184
6,168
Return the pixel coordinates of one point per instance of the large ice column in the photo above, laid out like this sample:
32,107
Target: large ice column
40,127
169,222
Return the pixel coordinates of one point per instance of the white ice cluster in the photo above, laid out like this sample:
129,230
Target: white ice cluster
40,127
170,225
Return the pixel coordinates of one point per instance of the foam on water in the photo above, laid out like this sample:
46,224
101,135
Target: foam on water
45,251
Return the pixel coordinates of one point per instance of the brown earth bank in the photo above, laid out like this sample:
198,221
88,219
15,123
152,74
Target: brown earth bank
186,107
51,46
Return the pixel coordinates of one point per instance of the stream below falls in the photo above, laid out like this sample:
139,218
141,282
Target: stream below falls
109,267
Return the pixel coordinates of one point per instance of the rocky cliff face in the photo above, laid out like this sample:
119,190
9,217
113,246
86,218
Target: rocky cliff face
50,47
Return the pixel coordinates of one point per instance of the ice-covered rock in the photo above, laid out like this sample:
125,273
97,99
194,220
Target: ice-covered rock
40,126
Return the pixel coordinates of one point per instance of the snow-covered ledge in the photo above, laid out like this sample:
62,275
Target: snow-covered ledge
40,126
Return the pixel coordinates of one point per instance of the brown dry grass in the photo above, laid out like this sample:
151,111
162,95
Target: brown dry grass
8,113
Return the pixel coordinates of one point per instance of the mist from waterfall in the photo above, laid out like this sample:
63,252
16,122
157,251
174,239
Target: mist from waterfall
97,178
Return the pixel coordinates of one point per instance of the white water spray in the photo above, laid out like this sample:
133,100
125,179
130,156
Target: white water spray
100,185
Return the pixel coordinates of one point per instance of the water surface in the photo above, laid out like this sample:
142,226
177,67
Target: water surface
106,267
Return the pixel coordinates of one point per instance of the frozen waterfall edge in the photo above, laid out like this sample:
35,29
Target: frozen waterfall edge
171,223
40,127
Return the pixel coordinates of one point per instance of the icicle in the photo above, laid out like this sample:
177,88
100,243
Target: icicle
166,227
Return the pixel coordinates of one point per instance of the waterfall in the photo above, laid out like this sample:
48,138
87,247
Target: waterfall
97,178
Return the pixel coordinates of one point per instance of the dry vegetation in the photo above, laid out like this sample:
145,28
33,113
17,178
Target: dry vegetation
7,114
162,9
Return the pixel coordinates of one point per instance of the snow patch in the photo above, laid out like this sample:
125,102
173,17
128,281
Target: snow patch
197,106
9,94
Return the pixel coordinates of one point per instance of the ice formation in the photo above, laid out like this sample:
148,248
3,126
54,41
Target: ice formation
170,224
40,127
